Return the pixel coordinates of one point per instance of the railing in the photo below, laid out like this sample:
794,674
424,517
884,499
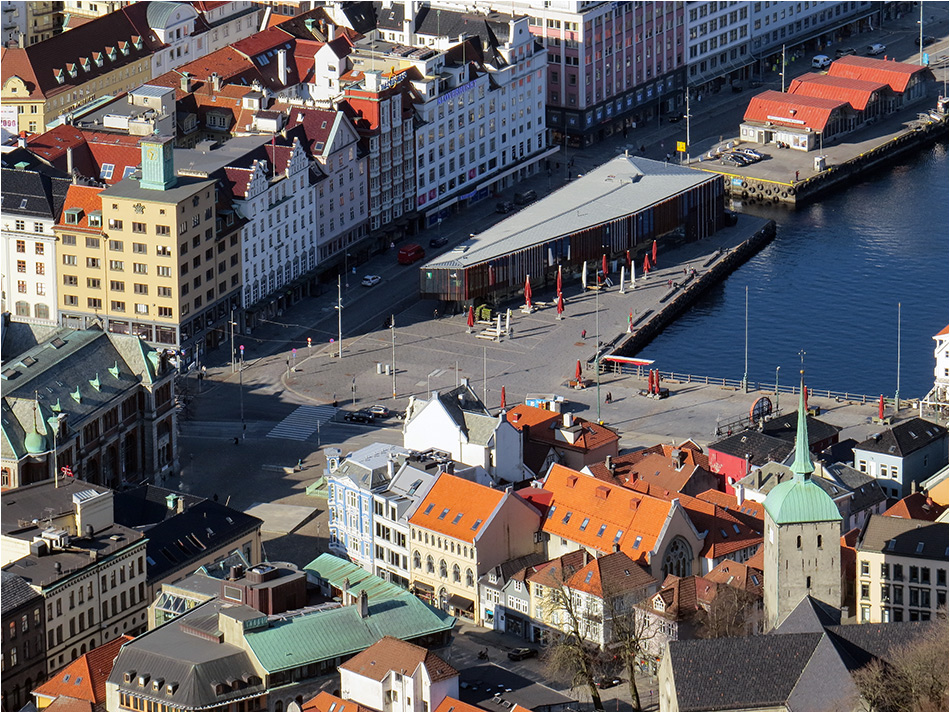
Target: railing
763,386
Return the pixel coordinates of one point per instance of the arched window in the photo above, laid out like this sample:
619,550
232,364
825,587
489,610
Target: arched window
430,565
798,541
819,542
678,559
23,309
41,311
469,578
456,573
443,569
416,560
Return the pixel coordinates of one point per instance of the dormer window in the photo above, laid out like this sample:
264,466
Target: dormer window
60,76
95,219
86,66
124,47
97,58
129,676
107,170
71,70
137,42
143,679
73,216
110,53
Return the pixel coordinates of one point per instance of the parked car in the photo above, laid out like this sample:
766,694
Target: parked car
673,118
522,653
378,411
525,197
371,280
607,681
875,49
438,242
504,207
844,52
927,40
733,159
820,61
750,153
408,254
358,417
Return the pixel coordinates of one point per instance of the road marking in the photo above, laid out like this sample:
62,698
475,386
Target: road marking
301,424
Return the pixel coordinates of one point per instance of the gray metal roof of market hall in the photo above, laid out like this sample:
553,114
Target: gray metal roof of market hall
619,187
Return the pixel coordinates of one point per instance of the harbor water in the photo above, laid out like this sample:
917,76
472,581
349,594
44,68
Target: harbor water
829,285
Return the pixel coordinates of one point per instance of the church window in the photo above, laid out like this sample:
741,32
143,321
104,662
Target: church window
819,542
807,582
678,559
798,541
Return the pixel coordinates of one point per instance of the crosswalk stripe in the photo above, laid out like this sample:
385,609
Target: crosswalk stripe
302,422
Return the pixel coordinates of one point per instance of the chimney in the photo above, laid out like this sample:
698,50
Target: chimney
331,31
390,467
679,458
69,164
757,479
465,381
282,66
408,21
616,547
186,82
363,604
215,82
740,494
913,486
568,419
21,140
609,464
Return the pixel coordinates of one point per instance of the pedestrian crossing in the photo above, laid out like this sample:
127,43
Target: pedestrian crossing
301,424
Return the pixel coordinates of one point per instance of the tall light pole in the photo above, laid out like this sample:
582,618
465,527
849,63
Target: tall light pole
484,375
339,315
232,324
241,392
776,387
920,37
745,375
688,117
392,329
346,267
597,353
897,394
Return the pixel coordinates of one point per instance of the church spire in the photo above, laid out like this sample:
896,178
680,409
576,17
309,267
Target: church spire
803,467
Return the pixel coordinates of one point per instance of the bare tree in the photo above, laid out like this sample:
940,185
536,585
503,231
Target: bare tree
913,678
571,653
630,633
733,612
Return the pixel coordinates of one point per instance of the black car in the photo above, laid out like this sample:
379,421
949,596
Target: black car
673,118
504,207
358,417
522,653
607,681
438,242
927,40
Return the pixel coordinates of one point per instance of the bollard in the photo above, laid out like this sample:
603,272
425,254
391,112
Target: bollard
379,368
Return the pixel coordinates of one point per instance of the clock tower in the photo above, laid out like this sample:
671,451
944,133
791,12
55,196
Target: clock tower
158,163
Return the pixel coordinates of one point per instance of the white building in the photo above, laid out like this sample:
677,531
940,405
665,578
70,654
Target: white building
717,41
938,399
456,421
393,675
910,452
32,202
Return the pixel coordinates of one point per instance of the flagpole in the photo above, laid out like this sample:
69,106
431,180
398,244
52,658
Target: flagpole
897,394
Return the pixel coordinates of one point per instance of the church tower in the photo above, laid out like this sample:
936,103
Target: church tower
802,537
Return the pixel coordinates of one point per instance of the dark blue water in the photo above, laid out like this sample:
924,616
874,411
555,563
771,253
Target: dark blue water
830,284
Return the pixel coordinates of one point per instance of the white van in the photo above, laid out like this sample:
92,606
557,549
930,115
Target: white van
876,48
820,61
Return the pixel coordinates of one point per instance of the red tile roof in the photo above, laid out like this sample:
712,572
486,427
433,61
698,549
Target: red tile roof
86,198
655,465
85,678
758,559
558,571
457,508
450,705
740,576
945,330
323,702
916,506
752,513
856,92
392,654
91,150
682,597
895,74
610,576
792,110
602,514
546,427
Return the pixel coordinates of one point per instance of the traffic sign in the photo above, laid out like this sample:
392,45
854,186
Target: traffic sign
242,347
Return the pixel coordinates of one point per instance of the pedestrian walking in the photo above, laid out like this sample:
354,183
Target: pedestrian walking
670,283
608,398
583,334
511,332
643,149
796,176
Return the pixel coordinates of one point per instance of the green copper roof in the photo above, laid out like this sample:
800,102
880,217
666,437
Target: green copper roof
34,443
800,499
341,632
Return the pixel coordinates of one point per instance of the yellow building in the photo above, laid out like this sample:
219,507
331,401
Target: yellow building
901,570
104,57
459,532
158,264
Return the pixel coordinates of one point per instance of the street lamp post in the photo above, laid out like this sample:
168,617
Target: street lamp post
232,325
346,268
339,315
241,392
776,388
392,329
597,353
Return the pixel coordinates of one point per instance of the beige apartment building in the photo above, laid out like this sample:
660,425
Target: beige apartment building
163,266
901,570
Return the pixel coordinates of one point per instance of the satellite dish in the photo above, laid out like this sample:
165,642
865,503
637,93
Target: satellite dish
761,409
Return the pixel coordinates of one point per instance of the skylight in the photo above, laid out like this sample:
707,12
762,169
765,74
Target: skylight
735,527
444,513
457,518
618,536
476,525
584,524
415,486
107,170
920,547
129,170
601,530
588,577
567,517
636,542
429,508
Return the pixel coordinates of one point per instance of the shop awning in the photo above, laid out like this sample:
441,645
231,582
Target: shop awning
461,603
420,587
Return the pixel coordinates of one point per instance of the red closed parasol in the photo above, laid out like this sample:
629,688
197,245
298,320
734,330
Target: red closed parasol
560,304
527,291
559,279
604,266
880,409
629,262
577,371
646,264
503,405
654,253
471,316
